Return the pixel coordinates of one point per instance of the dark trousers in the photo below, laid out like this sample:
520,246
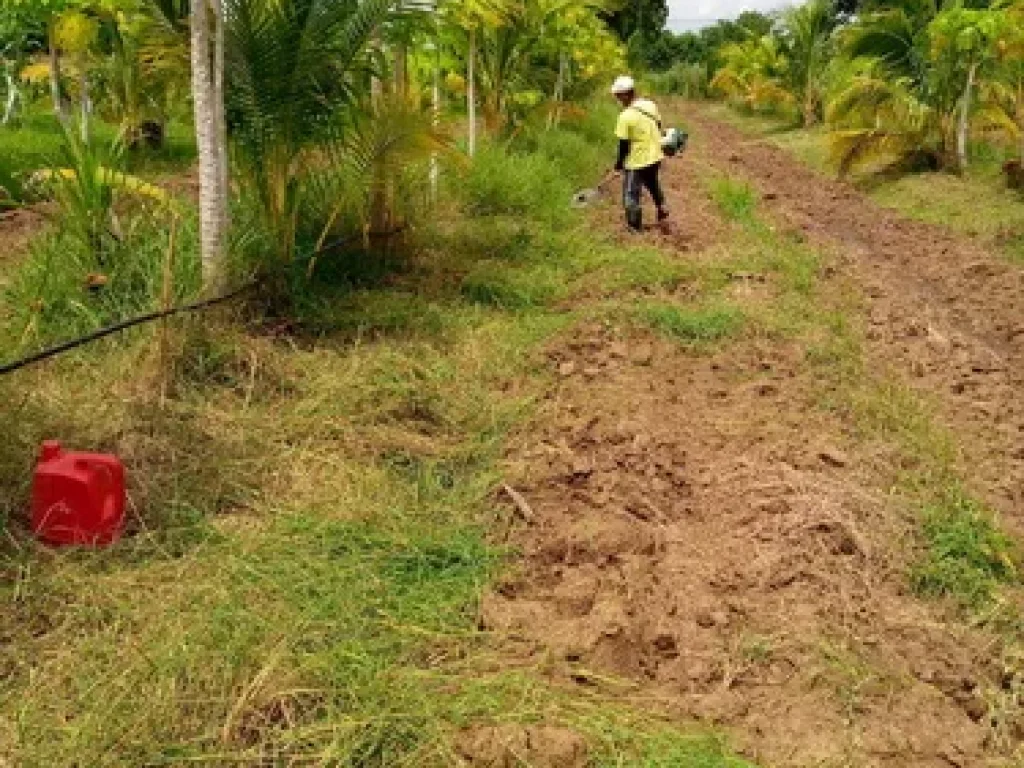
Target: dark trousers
633,183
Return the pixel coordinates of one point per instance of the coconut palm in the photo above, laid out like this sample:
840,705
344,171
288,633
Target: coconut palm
807,32
911,100
753,73
296,93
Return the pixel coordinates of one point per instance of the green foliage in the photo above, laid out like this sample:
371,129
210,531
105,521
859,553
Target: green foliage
692,325
33,144
292,97
968,557
689,80
501,182
752,75
54,296
736,199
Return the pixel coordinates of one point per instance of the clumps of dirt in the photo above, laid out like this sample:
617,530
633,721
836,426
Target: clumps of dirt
513,746
700,530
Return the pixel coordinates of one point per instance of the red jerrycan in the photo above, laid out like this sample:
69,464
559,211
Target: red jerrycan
77,498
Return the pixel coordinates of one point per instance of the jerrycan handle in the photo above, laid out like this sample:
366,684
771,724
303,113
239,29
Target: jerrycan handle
51,450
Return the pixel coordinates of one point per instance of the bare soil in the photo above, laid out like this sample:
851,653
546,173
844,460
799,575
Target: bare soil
17,228
705,535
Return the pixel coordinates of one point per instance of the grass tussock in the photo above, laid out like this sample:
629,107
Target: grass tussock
695,325
968,557
736,199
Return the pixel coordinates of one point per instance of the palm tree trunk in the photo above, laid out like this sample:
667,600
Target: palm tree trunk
13,94
58,101
471,91
1020,120
435,110
554,117
223,211
211,194
964,123
810,107
86,105
402,71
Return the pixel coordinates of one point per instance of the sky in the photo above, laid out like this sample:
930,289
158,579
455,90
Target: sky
694,14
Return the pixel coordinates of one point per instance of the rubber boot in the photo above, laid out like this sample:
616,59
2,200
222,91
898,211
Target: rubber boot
635,218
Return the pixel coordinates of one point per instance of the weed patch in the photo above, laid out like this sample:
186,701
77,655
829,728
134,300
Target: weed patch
737,200
967,556
495,285
692,326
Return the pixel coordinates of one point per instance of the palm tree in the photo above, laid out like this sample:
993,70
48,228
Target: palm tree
968,39
807,31
753,74
473,16
297,93
912,98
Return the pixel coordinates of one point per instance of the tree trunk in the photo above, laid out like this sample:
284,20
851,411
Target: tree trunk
58,101
471,91
964,123
13,95
376,83
810,108
435,109
212,197
555,116
223,212
86,105
1020,120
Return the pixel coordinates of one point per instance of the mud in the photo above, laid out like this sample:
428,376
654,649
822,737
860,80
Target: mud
701,532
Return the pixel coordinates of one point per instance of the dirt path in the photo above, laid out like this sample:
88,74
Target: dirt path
707,536
942,308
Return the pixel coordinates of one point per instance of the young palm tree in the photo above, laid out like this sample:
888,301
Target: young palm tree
753,74
298,71
807,31
473,16
913,97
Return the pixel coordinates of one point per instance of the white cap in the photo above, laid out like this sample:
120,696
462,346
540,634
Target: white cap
623,84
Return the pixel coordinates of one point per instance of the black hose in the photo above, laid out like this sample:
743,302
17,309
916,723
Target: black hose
151,316
121,326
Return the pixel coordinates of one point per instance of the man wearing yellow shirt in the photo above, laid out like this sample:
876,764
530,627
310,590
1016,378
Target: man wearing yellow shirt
640,153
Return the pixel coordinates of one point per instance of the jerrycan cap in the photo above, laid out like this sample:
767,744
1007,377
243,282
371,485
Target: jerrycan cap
51,450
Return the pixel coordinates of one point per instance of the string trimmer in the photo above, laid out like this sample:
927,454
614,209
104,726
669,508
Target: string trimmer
587,196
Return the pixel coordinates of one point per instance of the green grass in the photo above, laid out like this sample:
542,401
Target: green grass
968,557
698,325
35,143
494,284
736,199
